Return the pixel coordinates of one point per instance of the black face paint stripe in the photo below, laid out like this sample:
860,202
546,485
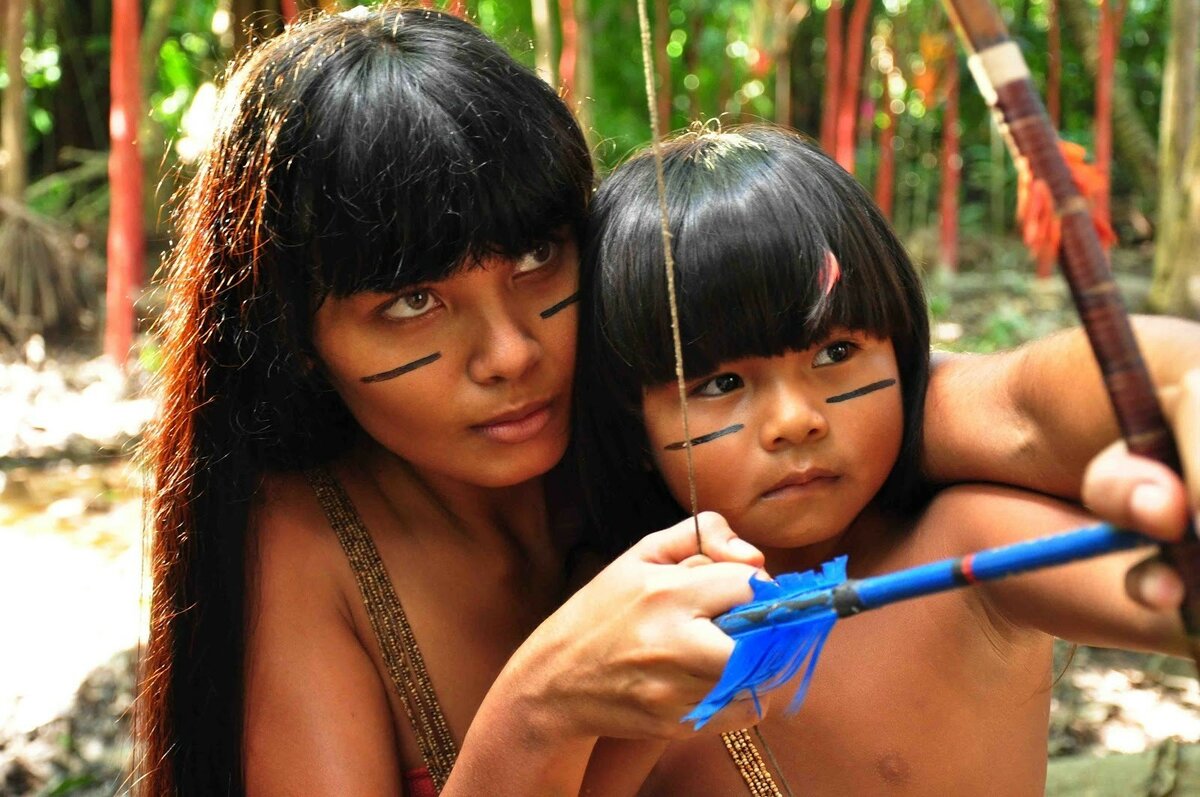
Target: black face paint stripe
704,438
554,308
862,391
403,369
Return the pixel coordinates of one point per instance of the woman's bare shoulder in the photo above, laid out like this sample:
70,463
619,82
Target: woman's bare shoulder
315,704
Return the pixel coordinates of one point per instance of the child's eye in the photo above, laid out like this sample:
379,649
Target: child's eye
537,257
719,385
834,353
412,304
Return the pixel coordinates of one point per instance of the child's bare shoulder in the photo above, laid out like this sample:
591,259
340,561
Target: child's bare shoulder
979,516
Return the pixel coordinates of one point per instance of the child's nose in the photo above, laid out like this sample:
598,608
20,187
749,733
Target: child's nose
792,419
504,351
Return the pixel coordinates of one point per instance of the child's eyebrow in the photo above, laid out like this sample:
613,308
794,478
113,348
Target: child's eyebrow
862,391
403,369
704,438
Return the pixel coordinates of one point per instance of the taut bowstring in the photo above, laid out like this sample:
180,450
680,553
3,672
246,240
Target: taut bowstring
669,260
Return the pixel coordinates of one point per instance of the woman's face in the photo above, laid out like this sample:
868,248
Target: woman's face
468,377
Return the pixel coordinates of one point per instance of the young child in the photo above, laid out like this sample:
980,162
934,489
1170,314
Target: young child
806,354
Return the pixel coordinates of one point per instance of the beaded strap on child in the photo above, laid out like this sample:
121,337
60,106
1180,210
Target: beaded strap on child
393,633
750,764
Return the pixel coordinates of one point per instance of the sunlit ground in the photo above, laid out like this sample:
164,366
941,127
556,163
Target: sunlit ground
71,583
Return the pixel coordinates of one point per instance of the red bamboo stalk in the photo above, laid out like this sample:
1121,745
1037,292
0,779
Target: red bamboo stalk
833,77
885,177
1110,31
951,173
1054,79
126,244
569,56
847,117
662,64
1004,80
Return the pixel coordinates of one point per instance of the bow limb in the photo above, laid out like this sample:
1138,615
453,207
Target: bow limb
1003,78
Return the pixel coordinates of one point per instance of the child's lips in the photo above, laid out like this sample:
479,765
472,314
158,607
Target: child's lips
801,482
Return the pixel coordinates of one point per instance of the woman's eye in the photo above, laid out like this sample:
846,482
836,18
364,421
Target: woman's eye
412,304
834,353
720,385
537,257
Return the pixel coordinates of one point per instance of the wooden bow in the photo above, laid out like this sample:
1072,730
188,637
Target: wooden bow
1003,78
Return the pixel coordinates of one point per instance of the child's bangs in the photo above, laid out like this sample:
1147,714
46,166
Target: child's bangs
768,259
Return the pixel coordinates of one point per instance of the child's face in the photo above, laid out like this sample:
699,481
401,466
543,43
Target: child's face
468,377
791,448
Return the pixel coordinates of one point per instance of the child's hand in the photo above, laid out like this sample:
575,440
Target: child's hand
635,649
1137,493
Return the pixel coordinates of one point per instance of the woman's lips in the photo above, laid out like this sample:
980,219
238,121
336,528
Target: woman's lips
516,426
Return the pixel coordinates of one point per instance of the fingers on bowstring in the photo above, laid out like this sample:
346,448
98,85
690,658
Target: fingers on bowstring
1136,493
717,542
1155,585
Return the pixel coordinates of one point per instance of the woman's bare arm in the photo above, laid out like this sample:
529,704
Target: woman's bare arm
1034,417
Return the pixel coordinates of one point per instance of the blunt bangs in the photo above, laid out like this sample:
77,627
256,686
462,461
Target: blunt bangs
414,150
755,216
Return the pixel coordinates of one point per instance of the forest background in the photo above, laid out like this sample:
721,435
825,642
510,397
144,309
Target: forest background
106,104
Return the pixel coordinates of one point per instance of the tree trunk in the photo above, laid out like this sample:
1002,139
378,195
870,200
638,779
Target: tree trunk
126,244
254,20
833,77
662,64
1134,142
951,173
543,41
885,176
1176,285
1110,35
158,20
568,57
583,70
1054,78
847,124
12,118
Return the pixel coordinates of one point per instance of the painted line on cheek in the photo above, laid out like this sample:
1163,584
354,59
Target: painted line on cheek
862,391
403,369
704,438
565,303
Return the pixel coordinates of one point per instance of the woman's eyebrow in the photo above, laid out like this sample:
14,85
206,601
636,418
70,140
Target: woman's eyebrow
403,369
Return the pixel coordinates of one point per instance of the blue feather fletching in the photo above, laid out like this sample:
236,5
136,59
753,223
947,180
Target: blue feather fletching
769,652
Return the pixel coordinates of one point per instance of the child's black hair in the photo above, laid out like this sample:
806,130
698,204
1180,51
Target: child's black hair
754,215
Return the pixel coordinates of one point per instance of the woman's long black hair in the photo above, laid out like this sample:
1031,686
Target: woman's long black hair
362,151
754,215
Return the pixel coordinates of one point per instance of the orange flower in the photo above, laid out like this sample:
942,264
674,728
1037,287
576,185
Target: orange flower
1041,228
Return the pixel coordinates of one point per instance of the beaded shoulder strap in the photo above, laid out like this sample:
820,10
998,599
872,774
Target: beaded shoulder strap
393,633
750,764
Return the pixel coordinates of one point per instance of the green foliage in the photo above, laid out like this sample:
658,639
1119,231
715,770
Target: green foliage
719,53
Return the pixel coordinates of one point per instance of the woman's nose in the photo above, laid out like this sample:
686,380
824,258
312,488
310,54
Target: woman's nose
505,351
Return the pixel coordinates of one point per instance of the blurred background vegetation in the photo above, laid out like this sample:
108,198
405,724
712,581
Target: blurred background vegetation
880,82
